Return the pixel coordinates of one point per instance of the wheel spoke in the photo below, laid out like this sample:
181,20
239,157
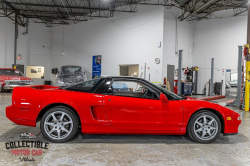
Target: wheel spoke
65,123
203,134
59,133
52,130
54,117
204,119
61,118
64,129
50,124
210,123
200,124
209,133
199,130
213,128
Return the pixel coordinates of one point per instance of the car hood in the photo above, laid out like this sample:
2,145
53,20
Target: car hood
9,77
192,104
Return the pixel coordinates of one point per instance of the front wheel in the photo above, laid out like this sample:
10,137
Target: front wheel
204,127
59,124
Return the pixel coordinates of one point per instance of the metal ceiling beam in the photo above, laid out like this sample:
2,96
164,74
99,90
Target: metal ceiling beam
200,8
240,12
183,14
70,10
34,13
9,4
14,11
47,12
213,11
68,7
57,8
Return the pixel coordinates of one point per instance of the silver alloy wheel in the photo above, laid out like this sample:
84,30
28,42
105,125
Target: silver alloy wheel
58,125
205,127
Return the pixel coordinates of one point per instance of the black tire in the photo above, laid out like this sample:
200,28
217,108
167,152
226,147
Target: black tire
1,89
207,129
69,114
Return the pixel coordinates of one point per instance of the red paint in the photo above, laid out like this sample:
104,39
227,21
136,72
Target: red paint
108,114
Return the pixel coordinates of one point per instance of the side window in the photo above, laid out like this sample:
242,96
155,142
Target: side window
132,89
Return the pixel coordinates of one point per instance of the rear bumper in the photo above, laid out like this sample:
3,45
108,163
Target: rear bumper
11,115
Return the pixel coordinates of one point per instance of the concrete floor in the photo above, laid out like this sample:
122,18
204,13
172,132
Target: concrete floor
128,150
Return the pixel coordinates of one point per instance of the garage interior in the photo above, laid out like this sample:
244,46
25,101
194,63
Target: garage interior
196,48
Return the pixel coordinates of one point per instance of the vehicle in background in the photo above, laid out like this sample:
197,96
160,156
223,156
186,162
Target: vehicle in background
233,83
70,75
228,85
11,78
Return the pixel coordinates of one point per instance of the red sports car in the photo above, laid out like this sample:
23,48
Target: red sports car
118,105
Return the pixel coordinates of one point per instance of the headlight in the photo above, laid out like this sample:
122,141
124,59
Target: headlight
79,78
61,79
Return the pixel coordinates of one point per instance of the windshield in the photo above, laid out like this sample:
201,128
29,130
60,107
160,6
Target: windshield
170,95
87,85
71,70
10,72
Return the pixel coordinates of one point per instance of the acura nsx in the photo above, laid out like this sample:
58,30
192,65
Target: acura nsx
118,105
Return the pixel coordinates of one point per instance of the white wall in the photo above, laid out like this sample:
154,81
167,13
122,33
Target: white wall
218,39
184,41
127,38
30,46
130,38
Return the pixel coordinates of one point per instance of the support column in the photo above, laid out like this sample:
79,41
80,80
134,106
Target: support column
179,72
247,63
238,101
212,78
15,40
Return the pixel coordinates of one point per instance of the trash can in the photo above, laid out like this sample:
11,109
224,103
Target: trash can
47,82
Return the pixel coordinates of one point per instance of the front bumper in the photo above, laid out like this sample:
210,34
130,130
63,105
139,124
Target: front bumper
232,126
9,87
11,84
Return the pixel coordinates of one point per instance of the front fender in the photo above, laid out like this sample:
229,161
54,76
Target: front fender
193,106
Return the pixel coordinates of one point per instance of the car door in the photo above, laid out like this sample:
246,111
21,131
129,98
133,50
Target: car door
128,107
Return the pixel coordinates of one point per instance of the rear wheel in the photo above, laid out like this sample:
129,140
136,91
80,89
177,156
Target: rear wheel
59,124
204,127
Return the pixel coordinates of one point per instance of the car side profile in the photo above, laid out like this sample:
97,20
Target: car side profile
118,105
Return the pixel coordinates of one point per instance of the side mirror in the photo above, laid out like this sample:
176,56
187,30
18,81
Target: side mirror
109,90
163,98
